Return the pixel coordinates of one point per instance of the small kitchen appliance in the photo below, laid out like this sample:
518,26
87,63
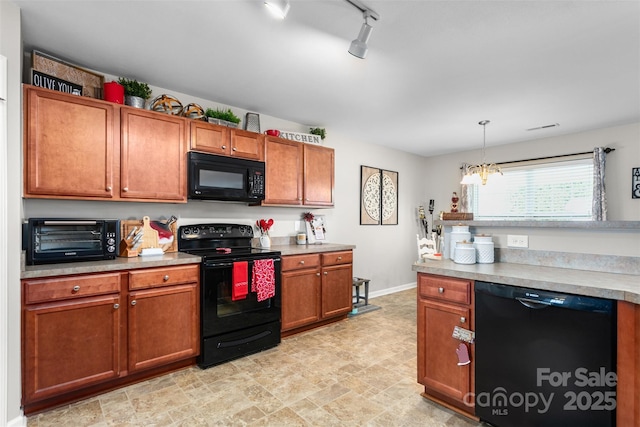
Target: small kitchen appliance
237,316
56,240
225,178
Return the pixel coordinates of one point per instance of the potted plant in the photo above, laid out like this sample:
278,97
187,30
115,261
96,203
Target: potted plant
222,117
318,131
136,93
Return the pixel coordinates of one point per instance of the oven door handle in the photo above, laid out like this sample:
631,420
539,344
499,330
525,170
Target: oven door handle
213,264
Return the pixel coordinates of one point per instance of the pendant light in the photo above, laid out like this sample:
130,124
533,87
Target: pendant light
480,173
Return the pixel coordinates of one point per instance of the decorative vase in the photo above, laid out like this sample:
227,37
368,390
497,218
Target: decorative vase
265,241
134,101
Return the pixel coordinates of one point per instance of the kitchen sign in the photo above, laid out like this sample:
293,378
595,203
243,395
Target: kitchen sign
46,81
301,137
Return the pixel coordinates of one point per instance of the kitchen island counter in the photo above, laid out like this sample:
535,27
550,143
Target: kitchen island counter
118,264
622,287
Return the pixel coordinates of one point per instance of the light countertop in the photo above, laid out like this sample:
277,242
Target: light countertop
624,287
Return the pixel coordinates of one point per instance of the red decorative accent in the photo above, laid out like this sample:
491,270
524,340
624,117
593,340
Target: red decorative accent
263,281
239,284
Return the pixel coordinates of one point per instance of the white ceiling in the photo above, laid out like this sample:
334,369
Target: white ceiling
433,71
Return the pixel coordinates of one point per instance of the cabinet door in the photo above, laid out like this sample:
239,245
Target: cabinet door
247,145
283,160
163,325
153,157
337,290
438,368
300,298
69,145
318,175
210,138
69,345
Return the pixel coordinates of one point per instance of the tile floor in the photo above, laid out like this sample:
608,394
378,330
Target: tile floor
358,372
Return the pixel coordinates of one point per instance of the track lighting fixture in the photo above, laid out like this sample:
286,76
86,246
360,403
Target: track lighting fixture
279,8
359,46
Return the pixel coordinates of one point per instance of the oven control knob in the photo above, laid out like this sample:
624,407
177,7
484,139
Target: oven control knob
111,248
111,241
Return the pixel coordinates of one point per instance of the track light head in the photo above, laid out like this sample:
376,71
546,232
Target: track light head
278,8
359,46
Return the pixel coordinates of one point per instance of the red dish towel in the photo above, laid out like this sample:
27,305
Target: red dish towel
263,281
239,284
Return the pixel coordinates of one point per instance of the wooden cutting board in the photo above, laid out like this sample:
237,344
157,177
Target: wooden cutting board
150,238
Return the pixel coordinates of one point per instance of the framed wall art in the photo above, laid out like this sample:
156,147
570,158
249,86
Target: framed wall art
389,198
370,195
635,183
378,196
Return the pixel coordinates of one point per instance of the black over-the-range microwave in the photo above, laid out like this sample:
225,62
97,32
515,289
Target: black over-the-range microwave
54,240
222,178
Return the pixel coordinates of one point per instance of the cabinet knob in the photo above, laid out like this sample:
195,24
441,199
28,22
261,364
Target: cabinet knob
76,288
234,149
116,306
133,302
317,274
125,189
165,278
463,319
302,262
339,258
300,198
441,290
109,188
325,273
224,147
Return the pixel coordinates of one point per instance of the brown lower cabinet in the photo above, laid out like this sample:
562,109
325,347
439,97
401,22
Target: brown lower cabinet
443,304
316,289
88,333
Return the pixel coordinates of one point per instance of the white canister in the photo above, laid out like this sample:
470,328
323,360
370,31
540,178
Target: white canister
459,233
484,248
465,253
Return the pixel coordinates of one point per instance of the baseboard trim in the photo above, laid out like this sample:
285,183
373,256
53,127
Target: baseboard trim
393,290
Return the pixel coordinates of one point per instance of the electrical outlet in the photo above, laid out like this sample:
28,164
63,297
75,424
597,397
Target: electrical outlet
298,226
517,241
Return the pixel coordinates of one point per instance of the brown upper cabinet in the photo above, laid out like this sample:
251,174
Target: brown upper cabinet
298,174
76,148
225,141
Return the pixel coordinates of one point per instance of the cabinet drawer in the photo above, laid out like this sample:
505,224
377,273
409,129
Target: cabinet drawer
297,262
156,277
334,258
445,288
44,290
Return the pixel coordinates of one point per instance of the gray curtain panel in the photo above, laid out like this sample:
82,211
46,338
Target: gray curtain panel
599,208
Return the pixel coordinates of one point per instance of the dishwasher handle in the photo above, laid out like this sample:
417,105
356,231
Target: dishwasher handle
533,304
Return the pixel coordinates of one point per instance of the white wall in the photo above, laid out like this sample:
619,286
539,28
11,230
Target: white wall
10,47
621,207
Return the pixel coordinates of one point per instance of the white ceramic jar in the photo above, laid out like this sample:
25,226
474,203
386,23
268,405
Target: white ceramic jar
458,234
465,253
483,244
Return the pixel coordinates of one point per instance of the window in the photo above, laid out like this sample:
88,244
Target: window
561,190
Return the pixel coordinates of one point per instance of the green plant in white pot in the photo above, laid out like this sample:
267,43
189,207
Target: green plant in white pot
222,117
135,93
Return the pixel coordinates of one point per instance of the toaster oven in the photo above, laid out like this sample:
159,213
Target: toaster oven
56,240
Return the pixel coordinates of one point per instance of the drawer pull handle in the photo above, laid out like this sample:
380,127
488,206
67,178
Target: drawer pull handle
339,258
133,302
463,319
116,306
302,262
165,278
76,288
441,290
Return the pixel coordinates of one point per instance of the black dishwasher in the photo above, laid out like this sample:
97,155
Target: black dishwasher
544,358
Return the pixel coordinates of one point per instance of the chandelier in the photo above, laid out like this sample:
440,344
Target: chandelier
477,174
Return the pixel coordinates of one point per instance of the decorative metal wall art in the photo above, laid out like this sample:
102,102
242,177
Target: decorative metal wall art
378,196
